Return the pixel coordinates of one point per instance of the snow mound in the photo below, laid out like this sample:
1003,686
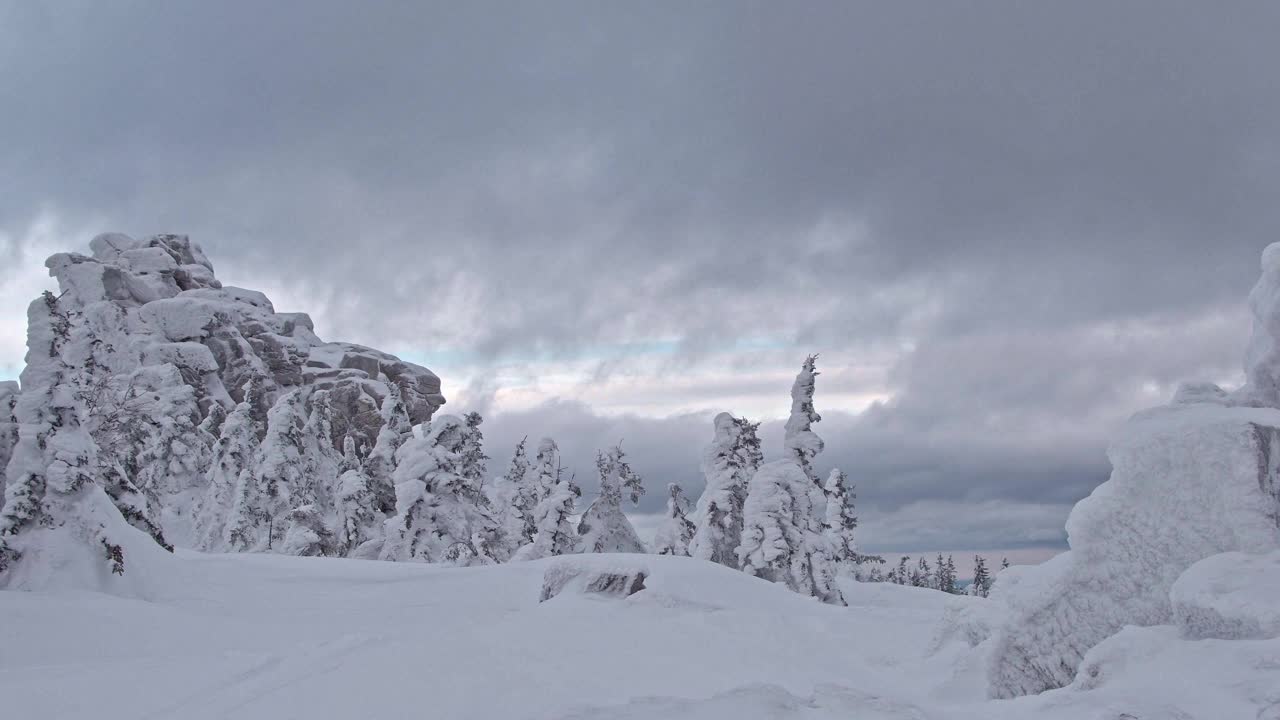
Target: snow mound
1232,596
612,579
1188,482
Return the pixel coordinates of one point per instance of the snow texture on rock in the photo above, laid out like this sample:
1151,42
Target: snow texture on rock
172,347
1188,482
579,575
1232,596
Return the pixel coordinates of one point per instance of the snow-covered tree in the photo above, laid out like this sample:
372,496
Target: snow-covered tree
8,428
944,575
840,521
902,574
546,472
233,456
728,464
802,444
676,531
1004,564
782,537
474,467
981,585
265,496
322,463
358,519
55,513
556,533
511,503
604,528
395,431
308,535
439,513
922,575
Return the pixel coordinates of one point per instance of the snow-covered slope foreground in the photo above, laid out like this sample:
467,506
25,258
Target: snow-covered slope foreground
263,636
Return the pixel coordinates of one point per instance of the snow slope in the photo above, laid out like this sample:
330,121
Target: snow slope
260,636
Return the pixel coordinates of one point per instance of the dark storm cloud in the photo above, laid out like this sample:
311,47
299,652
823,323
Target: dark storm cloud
1034,204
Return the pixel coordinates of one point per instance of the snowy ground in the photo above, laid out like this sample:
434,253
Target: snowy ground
255,636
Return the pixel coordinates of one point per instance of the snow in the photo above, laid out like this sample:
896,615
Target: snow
1229,596
1188,481
264,636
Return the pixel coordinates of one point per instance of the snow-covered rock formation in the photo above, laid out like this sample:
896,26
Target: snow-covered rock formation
1189,481
199,398
1232,596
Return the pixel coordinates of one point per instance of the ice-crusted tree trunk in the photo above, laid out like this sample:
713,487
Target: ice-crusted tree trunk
441,517
676,531
841,521
381,464
801,443
265,496
604,528
8,429
556,532
546,473
56,516
728,464
782,538
232,466
359,520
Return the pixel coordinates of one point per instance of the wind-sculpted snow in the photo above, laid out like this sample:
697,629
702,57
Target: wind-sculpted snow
1232,596
1188,482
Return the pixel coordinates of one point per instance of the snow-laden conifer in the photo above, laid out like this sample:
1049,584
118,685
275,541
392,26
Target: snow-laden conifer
604,528
782,536
381,464
556,532
728,464
801,443
440,514
840,520
676,531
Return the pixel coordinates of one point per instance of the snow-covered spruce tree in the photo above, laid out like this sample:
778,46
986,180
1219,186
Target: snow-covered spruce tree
782,538
322,461
265,496
358,518
944,575
8,428
55,515
840,521
511,504
728,464
232,466
556,533
474,466
676,531
308,534
440,515
546,472
981,585
604,528
922,576
802,444
381,464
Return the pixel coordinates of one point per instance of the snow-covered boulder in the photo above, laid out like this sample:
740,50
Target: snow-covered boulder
1188,482
585,575
1232,596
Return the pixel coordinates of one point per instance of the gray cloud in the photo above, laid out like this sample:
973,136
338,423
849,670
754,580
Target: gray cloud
1042,215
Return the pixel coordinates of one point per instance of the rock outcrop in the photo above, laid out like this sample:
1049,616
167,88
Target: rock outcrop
1189,481
175,351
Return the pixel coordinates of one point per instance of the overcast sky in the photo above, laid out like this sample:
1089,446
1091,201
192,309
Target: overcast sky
1004,226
